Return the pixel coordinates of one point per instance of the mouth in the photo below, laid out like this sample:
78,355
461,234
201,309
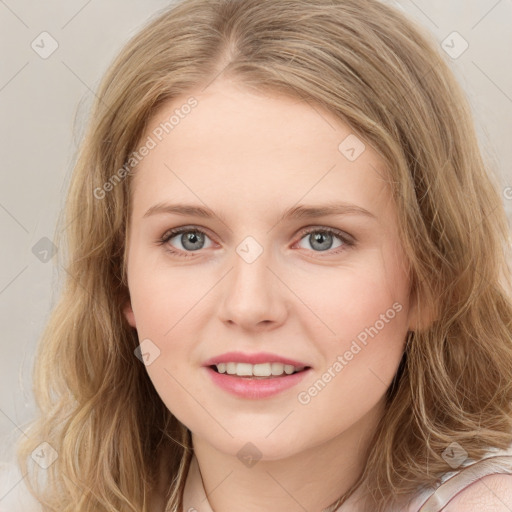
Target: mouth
262,371
256,381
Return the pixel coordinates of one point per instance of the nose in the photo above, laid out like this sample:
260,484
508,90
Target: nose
254,296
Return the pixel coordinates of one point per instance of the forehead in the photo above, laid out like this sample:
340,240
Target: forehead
234,146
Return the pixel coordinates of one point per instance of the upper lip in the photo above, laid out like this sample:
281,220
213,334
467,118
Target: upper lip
260,357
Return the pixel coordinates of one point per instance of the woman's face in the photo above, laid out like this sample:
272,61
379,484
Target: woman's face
266,272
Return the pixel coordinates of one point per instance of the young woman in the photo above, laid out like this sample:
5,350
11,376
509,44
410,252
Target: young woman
287,285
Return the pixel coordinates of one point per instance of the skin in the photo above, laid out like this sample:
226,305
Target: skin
249,157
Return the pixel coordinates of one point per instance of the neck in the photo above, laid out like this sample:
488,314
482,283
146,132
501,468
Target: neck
311,479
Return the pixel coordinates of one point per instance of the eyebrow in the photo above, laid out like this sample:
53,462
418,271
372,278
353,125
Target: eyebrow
293,213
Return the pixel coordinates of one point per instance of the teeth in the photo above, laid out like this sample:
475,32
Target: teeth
257,370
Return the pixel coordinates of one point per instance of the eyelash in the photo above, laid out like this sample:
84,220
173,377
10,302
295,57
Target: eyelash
347,243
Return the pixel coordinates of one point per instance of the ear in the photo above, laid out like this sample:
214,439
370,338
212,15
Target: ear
421,314
128,313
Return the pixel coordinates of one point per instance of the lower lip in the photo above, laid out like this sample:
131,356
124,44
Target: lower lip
245,387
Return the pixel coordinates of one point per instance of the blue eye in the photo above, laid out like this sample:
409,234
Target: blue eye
322,238
193,240
190,239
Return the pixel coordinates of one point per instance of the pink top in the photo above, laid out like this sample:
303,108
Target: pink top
454,482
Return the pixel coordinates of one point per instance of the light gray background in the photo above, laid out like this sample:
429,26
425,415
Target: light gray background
40,99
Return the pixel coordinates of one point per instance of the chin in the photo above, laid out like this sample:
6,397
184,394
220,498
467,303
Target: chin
258,447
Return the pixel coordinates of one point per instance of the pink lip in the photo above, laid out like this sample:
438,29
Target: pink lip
251,388
260,357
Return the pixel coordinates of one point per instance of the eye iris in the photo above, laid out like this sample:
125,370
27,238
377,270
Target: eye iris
319,237
192,237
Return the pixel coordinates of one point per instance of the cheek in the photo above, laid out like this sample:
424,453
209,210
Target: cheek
167,306
162,298
370,292
181,394
366,306
359,366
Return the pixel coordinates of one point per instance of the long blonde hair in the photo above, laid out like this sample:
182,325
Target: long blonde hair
381,74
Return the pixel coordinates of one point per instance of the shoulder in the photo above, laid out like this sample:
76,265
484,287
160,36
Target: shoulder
492,493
